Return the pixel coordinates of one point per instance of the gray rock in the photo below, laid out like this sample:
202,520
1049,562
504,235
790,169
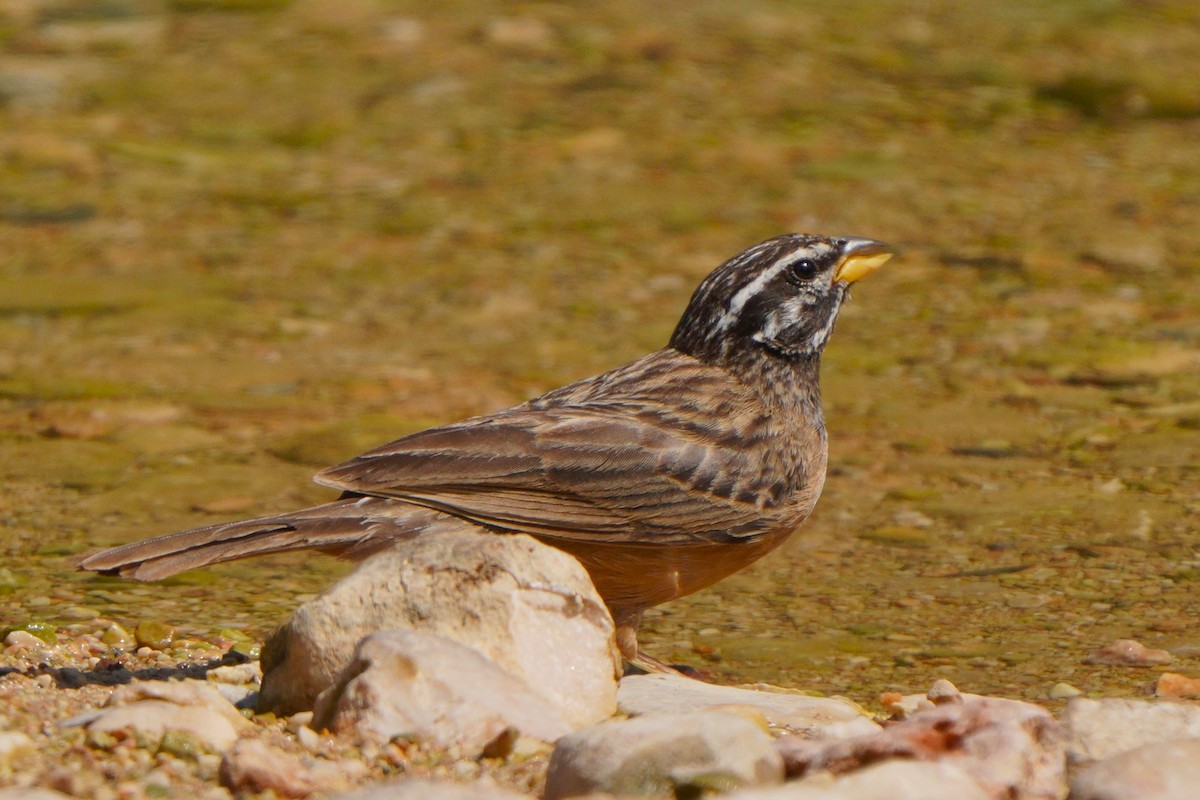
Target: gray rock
406,682
1164,771
890,780
1099,729
528,607
821,717
420,789
683,754
1012,750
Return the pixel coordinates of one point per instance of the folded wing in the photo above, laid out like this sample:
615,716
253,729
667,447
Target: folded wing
593,472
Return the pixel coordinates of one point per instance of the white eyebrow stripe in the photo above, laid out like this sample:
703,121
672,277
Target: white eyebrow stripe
739,300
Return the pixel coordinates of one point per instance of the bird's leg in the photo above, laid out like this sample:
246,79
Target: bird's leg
627,627
627,623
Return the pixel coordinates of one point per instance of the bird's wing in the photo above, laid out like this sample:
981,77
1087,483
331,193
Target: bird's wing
594,472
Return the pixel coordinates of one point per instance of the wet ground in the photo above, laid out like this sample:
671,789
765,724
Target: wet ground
243,240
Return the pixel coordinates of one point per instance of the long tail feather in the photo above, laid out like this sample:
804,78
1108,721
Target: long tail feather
352,527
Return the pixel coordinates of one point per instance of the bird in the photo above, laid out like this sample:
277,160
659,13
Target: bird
661,476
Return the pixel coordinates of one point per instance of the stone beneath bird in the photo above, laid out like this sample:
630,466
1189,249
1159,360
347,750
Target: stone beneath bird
661,476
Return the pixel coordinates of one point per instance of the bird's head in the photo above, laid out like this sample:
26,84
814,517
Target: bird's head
781,297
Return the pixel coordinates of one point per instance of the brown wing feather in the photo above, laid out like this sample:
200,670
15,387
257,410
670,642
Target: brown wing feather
572,466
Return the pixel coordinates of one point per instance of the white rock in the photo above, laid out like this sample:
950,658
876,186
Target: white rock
1063,691
822,717
680,754
183,693
890,780
420,789
1164,771
1099,729
902,707
943,691
1012,750
238,694
299,721
406,682
250,672
24,640
528,607
149,709
150,719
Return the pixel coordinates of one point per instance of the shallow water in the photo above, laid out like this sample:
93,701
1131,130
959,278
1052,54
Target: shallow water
242,241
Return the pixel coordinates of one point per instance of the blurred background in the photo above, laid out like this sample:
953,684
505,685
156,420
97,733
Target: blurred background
242,240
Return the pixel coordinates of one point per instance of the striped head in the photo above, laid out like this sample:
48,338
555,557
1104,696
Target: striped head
781,297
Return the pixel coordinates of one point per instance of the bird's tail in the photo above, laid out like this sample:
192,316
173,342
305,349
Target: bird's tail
352,527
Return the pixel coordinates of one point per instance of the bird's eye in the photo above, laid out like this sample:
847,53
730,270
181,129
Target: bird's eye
804,269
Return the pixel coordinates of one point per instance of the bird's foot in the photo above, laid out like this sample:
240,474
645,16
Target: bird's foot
648,664
637,661
643,664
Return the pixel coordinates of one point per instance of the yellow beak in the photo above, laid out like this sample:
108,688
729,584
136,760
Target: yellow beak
860,258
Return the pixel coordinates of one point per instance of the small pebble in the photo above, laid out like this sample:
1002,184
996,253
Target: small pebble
901,706
519,33
250,650
79,612
907,517
23,640
42,630
156,635
1172,684
298,721
943,691
1063,691
898,536
309,739
250,672
1128,653
116,636
181,744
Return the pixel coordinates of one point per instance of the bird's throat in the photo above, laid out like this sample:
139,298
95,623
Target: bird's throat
792,383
